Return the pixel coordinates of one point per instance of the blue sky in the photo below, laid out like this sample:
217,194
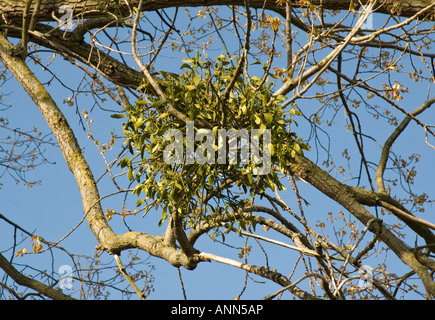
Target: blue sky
53,208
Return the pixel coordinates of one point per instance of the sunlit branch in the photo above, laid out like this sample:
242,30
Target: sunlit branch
121,267
261,271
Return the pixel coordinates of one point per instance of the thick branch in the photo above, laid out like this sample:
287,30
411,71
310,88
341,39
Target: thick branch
79,167
154,245
22,280
71,46
14,9
370,198
262,272
65,137
344,195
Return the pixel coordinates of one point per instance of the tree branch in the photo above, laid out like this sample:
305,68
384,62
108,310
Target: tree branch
77,164
260,271
387,145
344,195
121,268
321,66
22,280
14,9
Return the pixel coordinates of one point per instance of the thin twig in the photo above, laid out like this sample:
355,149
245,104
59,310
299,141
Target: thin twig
128,278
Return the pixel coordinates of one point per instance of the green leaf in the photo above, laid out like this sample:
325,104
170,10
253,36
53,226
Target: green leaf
294,112
155,148
124,162
262,128
118,116
297,148
264,99
242,225
159,103
139,122
268,117
141,102
251,179
280,98
130,173
196,80
185,65
210,180
244,109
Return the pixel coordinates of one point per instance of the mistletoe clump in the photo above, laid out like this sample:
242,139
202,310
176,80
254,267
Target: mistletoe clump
188,167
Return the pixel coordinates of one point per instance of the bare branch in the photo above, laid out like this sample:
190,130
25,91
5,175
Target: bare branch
121,267
40,287
388,144
261,271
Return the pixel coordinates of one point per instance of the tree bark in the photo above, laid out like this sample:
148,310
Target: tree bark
13,9
77,164
31,283
345,196
64,135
